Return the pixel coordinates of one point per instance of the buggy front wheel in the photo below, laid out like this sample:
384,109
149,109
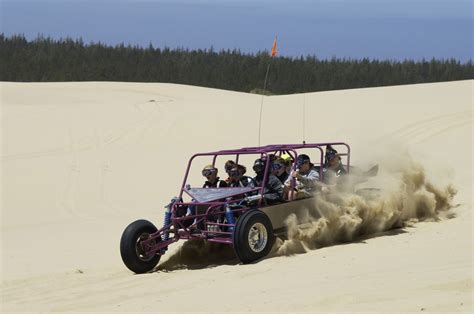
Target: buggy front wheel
253,236
131,249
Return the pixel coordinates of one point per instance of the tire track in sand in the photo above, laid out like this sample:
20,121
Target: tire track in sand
103,144
86,143
422,130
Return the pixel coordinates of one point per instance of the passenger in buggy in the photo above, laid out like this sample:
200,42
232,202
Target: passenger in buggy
306,179
228,166
273,191
237,179
212,180
279,169
333,167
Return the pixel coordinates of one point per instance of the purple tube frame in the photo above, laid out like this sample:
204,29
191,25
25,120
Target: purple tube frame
263,151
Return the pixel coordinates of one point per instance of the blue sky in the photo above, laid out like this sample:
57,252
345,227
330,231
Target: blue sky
383,29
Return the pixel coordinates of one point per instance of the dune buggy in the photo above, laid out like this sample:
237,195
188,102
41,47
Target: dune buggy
236,216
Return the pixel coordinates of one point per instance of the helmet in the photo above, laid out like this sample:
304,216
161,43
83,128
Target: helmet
209,167
286,158
259,165
228,165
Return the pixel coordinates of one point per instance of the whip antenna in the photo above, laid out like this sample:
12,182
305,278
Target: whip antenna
304,118
273,53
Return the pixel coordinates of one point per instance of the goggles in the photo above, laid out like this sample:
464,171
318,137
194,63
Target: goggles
333,157
208,172
277,166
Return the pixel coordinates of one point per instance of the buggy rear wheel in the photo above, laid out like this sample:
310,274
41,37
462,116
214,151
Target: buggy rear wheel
132,251
253,236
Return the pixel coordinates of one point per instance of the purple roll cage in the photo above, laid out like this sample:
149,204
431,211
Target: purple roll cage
183,225
264,151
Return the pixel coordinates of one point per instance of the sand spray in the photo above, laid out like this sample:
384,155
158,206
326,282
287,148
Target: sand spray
399,196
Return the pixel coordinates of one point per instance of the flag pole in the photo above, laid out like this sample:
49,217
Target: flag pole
273,53
261,102
304,118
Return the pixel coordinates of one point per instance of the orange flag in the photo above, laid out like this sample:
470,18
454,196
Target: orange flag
274,48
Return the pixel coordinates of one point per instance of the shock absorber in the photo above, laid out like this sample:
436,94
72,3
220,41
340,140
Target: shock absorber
229,216
165,236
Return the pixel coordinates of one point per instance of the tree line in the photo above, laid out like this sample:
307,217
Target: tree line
58,60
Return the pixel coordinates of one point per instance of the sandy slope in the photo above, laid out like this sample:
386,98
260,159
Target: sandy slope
82,160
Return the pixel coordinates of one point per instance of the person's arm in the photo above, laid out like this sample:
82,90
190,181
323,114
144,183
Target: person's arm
310,179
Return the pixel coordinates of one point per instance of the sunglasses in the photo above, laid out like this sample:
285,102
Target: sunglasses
208,172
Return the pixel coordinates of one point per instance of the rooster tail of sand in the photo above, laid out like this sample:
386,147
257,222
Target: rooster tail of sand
405,196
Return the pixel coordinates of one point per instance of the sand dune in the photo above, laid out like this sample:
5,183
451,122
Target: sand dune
82,160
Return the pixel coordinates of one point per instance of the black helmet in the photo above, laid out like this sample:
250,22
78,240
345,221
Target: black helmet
259,165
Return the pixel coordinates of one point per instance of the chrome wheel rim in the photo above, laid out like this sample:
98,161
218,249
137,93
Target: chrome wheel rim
140,251
258,237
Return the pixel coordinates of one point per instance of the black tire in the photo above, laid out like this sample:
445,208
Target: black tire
130,251
257,222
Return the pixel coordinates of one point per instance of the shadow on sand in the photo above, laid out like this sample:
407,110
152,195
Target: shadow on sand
200,254
392,232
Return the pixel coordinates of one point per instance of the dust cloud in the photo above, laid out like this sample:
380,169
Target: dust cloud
399,196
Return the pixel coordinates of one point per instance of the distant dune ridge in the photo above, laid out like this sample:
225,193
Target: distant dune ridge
82,160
